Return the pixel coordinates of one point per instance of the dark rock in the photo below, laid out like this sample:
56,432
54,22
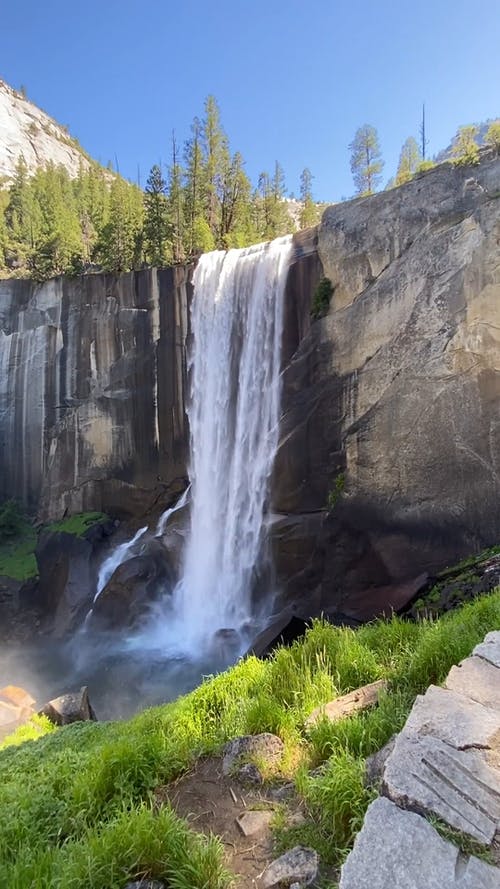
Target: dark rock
249,773
68,708
265,747
66,575
134,585
374,764
145,884
283,630
299,865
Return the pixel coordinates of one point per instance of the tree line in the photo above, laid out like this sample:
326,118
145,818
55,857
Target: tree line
52,225
367,163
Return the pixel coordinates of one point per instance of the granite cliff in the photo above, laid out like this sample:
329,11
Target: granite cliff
391,400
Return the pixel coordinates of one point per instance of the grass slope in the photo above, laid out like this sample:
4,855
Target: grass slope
77,808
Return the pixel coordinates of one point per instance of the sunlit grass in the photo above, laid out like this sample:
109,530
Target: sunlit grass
76,805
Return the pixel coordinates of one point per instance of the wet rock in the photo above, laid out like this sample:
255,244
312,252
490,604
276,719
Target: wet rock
68,708
283,630
374,764
254,822
135,584
66,574
265,747
299,865
400,849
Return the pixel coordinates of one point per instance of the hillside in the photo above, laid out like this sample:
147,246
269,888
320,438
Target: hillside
28,131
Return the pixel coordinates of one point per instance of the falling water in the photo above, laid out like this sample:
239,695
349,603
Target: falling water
116,558
237,315
163,520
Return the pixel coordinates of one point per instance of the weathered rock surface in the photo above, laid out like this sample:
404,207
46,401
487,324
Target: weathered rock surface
92,380
446,763
489,649
400,849
254,822
375,764
299,865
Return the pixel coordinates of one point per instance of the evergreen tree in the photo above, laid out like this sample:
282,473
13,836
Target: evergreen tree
157,227
366,160
57,248
176,206
194,189
409,159
309,213
120,240
216,160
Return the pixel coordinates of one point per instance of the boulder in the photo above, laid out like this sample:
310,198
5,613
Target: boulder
254,822
68,708
375,764
489,648
299,865
135,585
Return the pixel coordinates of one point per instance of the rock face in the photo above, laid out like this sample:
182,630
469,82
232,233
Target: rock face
396,392
26,129
389,456
92,380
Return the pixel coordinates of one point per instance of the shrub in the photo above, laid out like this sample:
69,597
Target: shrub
492,136
465,149
321,298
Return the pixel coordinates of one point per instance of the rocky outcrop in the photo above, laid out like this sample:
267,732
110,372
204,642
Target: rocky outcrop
389,458
393,399
444,764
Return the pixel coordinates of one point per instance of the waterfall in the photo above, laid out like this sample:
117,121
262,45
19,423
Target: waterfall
237,321
163,520
115,559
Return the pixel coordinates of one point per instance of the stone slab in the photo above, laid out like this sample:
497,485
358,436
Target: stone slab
254,822
489,648
459,786
299,865
454,718
478,680
400,849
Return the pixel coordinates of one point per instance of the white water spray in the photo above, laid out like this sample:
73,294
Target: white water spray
116,558
237,321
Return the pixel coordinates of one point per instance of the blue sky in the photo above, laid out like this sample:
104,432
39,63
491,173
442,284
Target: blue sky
293,79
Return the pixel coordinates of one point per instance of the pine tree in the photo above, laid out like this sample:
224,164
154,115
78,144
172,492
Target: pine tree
366,160
409,159
157,227
309,213
120,240
194,190
176,206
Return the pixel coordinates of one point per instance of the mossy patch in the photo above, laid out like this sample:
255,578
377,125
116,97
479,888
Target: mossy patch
17,553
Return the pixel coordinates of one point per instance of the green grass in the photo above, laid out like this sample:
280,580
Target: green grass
77,807
78,524
17,554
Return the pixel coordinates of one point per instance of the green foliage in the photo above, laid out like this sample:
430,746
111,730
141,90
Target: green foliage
423,166
75,805
321,298
17,550
78,524
366,160
492,136
409,161
336,491
11,520
465,149
309,214
157,227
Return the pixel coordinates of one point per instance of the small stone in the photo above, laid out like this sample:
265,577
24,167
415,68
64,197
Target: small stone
250,773
282,792
299,865
253,822
266,747
145,884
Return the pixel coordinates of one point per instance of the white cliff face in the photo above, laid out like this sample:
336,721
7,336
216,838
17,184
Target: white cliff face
27,130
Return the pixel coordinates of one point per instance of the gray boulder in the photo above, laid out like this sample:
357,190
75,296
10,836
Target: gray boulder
299,865
73,707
